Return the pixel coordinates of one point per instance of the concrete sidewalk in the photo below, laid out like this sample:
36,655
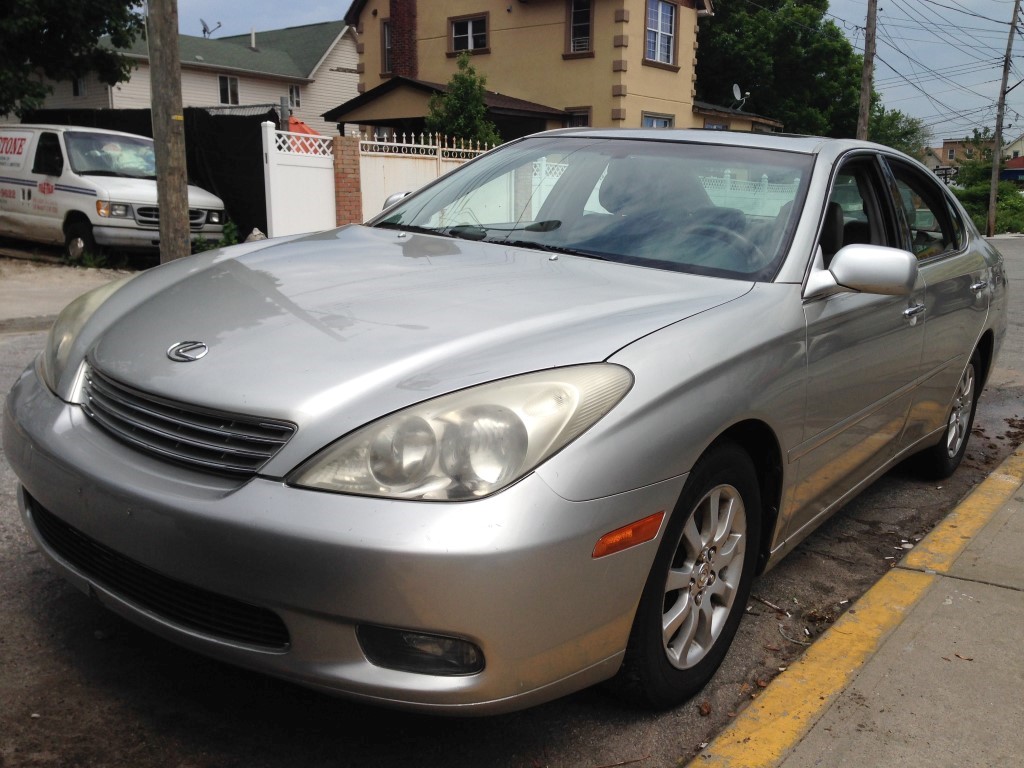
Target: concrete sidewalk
926,669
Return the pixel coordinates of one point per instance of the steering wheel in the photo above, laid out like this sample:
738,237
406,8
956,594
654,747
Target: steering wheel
752,255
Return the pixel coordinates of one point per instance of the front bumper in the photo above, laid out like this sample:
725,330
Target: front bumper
133,238
512,573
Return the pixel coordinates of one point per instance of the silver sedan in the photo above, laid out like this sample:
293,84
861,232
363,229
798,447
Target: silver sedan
535,427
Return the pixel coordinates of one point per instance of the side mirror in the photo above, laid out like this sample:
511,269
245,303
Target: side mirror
866,269
392,199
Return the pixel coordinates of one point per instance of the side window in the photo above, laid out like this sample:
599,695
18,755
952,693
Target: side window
855,212
48,161
931,225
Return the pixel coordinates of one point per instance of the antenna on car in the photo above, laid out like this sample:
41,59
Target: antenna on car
740,96
206,28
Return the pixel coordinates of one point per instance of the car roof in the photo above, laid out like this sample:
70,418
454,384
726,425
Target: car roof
780,141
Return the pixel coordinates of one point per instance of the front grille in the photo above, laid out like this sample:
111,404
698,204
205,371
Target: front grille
175,601
149,216
203,439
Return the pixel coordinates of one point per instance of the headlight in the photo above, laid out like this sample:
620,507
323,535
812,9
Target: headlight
215,217
110,210
470,443
67,327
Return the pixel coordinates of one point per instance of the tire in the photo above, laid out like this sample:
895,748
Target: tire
941,460
697,590
78,241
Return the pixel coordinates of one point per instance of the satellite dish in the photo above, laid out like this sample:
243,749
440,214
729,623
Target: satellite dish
206,28
739,95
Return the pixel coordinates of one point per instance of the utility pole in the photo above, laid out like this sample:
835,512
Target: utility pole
168,129
997,148
867,74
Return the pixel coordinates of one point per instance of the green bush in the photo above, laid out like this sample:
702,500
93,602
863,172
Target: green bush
1009,206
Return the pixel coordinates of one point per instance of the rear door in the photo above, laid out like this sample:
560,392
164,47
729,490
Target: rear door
958,290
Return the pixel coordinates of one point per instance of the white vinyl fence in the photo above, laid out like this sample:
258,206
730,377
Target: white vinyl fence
298,177
406,163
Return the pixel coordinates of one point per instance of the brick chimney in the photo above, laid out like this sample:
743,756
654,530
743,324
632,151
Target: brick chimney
402,14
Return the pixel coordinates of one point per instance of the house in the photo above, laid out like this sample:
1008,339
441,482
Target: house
605,63
1014,149
956,151
313,67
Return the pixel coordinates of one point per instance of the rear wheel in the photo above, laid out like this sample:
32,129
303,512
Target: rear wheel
78,241
941,460
697,590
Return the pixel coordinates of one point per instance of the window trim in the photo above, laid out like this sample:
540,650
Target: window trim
485,17
569,53
657,116
295,96
672,66
580,111
224,86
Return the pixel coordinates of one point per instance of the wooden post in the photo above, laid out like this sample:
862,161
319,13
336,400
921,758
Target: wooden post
997,148
168,129
867,74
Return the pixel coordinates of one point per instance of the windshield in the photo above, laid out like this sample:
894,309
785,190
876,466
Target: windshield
104,154
718,210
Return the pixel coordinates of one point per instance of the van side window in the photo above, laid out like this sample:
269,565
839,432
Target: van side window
49,161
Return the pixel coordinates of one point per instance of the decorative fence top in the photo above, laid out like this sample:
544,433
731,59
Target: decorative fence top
424,144
303,144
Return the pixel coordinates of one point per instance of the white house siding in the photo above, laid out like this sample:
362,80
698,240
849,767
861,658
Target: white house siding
134,93
336,82
97,95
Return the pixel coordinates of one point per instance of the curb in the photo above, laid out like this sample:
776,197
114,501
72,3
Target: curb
764,733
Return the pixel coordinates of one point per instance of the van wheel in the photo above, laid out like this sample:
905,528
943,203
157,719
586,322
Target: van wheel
78,241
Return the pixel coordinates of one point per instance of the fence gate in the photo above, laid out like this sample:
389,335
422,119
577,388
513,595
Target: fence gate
299,182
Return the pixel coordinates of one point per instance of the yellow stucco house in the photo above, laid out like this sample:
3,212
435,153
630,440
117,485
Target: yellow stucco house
548,63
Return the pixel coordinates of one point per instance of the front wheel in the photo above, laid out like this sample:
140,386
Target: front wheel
78,241
697,590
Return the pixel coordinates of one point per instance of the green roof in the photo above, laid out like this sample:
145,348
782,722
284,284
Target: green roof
292,52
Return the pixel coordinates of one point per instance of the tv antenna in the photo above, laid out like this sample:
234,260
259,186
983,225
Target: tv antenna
740,96
206,28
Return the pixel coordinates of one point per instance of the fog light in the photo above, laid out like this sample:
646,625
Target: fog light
418,652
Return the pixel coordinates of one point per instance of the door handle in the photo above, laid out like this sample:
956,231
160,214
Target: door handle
913,311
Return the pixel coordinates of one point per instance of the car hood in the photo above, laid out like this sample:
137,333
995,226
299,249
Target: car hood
336,329
143,191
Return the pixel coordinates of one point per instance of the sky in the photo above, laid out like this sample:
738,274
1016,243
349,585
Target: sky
941,61
937,60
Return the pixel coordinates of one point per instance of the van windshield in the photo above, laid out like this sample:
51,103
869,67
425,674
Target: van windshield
105,154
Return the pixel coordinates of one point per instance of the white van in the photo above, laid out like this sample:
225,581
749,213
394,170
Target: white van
85,187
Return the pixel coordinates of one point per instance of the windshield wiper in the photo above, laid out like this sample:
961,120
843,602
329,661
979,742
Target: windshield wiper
411,228
548,248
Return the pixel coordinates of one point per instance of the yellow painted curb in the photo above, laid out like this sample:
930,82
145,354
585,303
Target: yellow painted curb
765,732
774,722
940,548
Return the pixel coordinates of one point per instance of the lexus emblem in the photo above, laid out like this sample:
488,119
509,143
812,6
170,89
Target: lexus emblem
187,351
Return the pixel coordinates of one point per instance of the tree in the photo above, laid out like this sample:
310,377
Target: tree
898,130
60,40
977,170
799,68
460,112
